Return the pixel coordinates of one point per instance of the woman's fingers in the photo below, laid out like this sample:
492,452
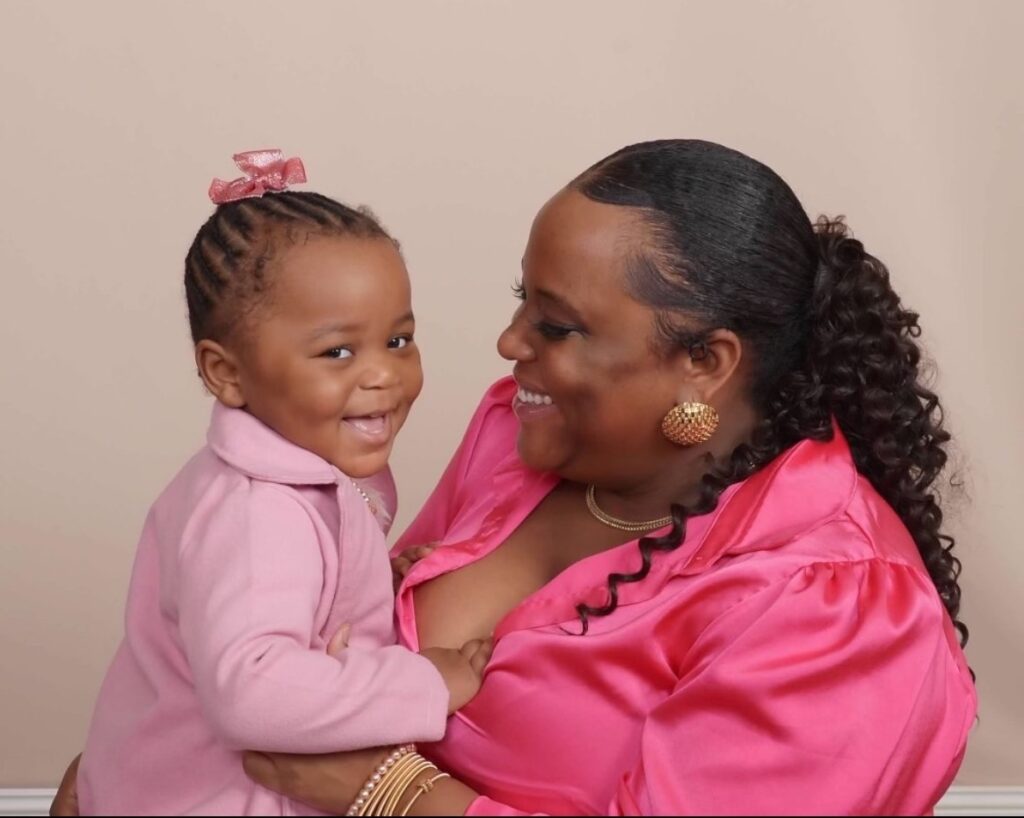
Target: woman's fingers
339,641
65,802
260,768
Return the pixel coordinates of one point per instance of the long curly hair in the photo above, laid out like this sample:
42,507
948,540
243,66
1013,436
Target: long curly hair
730,246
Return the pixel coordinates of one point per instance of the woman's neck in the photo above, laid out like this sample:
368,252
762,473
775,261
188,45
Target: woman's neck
678,480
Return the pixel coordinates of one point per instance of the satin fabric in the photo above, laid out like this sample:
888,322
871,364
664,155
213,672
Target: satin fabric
792,656
248,563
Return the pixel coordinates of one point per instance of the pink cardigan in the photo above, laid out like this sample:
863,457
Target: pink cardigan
792,656
249,561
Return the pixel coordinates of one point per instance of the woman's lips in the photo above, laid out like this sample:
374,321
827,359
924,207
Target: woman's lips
530,404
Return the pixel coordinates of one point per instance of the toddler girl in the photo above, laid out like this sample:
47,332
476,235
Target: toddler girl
264,546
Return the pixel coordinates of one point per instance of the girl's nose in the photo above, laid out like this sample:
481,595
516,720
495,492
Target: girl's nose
381,372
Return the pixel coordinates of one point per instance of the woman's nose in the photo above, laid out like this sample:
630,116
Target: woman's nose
513,343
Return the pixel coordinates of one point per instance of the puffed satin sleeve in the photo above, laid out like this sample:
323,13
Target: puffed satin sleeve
834,691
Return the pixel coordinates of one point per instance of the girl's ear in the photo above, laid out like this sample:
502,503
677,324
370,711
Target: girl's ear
220,372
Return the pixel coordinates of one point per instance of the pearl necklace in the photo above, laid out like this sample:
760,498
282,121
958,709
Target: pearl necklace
615,522
365,496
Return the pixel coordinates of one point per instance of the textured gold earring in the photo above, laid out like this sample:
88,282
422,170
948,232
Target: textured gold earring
690,423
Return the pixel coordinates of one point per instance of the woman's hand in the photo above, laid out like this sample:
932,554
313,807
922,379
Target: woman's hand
65,802
329,783
403,563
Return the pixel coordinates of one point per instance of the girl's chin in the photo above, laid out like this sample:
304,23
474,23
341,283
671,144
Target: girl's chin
365,466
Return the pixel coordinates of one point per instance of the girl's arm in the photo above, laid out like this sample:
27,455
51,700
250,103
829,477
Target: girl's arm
248,587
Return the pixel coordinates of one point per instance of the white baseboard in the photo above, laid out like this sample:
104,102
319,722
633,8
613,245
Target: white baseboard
982,801
958,801
25,802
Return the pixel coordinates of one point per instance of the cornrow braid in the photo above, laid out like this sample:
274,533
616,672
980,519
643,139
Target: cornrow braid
226,266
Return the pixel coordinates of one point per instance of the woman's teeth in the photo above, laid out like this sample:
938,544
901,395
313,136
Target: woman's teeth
526,396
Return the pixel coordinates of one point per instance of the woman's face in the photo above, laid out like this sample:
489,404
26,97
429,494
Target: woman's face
593,390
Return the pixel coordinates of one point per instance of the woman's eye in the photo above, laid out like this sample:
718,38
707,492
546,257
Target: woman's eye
518,290
400,342
338,353
553,332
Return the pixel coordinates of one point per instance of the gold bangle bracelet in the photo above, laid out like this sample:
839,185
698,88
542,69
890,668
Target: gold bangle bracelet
423,789
384,793
399,783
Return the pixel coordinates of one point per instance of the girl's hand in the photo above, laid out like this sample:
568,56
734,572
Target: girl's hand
65,802
329,783
403,563
462,669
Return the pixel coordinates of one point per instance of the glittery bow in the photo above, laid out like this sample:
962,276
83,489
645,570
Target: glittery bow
264,170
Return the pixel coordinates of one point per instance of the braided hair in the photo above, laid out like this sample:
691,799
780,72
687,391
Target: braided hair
731,247
226,266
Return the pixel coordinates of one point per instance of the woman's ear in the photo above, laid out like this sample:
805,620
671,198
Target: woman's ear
219,370
711,367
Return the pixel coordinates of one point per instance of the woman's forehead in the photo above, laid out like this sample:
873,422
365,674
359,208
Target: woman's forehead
579,242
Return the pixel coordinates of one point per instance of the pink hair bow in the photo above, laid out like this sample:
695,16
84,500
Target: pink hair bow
264,170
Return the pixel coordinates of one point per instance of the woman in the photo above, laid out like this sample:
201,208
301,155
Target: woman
699,524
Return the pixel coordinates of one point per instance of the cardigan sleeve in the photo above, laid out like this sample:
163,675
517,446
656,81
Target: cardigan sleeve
834,691
249,582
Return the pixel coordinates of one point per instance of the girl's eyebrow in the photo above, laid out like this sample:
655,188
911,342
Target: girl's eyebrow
330,329
341,328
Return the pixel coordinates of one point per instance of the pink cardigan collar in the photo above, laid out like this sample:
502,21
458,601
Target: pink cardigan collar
258,451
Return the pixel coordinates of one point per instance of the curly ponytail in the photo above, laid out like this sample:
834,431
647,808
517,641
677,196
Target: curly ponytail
864,356
735,249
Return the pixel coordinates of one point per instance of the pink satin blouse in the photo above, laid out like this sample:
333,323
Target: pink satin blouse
792,656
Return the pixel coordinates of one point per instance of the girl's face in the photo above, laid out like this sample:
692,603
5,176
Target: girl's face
593,391
328,361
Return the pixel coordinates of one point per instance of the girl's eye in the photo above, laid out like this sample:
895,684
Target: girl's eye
400,342
338,353
518,290
553,332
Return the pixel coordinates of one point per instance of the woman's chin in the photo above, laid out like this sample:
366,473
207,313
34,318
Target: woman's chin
539,452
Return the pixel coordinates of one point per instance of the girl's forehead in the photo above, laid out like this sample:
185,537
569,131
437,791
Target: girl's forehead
344,277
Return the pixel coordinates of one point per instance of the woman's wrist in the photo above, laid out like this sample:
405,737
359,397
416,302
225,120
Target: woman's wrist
445,796
405,783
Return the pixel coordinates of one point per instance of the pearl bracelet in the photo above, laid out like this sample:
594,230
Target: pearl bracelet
375,778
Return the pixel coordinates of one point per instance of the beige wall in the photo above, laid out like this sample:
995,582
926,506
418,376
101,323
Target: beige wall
456,120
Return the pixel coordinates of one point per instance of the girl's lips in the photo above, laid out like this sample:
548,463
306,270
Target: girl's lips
373,429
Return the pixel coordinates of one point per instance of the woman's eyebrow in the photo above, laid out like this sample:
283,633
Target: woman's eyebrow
558,301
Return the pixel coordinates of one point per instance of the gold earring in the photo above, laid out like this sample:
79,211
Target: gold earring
690,423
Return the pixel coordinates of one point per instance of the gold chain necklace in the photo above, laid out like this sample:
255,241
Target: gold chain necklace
615,522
